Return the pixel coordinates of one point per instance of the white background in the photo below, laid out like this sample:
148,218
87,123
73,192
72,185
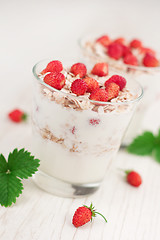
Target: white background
34,30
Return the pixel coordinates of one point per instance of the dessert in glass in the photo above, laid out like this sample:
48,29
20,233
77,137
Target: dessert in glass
134,61
79,118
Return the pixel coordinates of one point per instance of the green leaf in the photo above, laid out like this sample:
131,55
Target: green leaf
3,164
22,164
143,144
156,153
10,188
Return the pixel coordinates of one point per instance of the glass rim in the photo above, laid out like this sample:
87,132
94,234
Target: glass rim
139,68
140,95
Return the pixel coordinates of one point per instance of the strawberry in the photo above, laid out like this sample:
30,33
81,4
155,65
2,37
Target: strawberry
100,69
120,40
54,66
94,121
126,50
147,50
17,116
79,87
84,214
119,80
99,95
92,84
56,80
79,69
150,61
115,50
104,40
113,90
130,59
133,178
135,43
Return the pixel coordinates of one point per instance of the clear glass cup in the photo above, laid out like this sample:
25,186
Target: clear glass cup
148,77
76,139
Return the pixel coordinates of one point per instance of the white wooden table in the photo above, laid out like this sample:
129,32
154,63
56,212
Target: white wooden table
33,30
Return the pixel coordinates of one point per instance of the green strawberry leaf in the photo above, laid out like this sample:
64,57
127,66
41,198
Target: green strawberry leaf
10,188
143,144
22,164
156,153
3,164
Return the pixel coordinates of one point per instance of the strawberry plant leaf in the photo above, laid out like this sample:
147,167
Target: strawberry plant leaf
22,164
143,144
10,188
3,164
156,153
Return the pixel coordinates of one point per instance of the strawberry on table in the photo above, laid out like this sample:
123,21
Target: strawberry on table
17,116
84,214
133,178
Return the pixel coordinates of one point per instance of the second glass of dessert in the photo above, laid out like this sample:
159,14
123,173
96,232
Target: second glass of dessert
134,61
79,118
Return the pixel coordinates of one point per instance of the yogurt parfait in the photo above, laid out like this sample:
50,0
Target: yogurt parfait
133,60
79,118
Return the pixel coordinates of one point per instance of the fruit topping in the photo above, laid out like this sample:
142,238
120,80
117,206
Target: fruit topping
100,69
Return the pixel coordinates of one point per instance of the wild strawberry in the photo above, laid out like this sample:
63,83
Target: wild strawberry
84,214
119,80
17,116
100,69
73,130
135,43
120,40
94,121
99,95
92,84
115,50
133,178
150,61
130,59
54,67
79,69
113,90
79,87
126,50
56,80
147,50
104,40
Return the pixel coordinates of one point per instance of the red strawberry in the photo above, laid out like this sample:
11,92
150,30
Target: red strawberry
100,69
135,43
126,50
104,40
79,69
94,121
56,80
113,90
17,116
147,50
120,40
99,95
150,61
133,178
54,66
115,50
92,84
79,87
119,80
130,59
84,214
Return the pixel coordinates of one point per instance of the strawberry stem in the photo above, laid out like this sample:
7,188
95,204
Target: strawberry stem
101,216
24,117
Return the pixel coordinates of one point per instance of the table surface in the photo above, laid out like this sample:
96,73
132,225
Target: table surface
33,30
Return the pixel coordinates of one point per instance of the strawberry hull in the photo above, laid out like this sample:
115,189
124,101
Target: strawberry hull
76,138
